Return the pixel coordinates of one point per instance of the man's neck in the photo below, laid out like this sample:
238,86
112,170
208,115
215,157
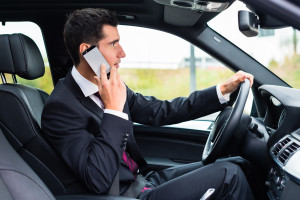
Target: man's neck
86,71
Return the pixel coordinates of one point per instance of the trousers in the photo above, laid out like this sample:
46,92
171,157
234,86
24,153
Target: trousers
191,181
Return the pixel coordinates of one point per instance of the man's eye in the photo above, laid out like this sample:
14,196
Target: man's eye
113,44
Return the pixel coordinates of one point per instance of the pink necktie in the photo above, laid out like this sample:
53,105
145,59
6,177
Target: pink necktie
130,163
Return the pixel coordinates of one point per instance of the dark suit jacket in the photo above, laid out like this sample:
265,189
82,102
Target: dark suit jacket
92,142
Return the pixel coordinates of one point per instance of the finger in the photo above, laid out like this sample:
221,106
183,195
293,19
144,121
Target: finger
242,77
248,76
103,73
251,78
113,73
120,81
118,77
238,77
98,80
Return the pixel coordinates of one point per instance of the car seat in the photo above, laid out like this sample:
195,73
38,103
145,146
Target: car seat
20,117
19,182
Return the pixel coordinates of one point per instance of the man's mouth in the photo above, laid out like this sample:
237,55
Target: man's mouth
116,64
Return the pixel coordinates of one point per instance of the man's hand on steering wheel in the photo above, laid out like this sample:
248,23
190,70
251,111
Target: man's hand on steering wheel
233,82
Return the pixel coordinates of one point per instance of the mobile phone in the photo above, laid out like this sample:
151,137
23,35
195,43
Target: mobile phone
95,59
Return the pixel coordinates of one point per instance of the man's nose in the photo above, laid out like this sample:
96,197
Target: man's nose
121,53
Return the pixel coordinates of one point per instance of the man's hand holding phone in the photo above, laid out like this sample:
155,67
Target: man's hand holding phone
112,90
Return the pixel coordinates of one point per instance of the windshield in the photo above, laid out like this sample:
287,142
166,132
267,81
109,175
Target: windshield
278,50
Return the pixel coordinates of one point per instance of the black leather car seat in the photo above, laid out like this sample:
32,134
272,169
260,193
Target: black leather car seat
20,117
17,179
19,182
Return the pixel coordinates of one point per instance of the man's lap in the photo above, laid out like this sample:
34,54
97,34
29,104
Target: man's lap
193,180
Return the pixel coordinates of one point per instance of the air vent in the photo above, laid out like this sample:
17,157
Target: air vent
288,152
285,149
279,146
294,147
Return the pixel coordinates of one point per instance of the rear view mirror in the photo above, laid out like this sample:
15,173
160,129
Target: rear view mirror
248,23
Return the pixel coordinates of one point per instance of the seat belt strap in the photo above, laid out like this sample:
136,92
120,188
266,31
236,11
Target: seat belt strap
136,187
115,186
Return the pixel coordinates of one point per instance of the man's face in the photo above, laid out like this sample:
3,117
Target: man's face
110,47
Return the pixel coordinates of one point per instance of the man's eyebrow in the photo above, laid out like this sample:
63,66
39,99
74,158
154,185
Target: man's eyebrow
114,41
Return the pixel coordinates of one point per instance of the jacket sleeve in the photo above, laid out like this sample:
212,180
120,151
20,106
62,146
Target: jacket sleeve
152,111
93,156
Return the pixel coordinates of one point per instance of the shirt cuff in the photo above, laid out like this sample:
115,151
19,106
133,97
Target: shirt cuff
116,113
222,98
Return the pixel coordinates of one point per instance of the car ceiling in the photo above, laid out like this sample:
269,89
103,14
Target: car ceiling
139,12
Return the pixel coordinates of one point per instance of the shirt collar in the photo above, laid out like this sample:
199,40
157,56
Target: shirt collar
87,87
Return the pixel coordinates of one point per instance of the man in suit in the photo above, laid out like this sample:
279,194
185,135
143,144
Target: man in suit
89,122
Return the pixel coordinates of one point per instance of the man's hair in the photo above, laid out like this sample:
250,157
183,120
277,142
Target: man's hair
85,26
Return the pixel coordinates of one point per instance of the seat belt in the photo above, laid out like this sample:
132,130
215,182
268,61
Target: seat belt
136,187
115,186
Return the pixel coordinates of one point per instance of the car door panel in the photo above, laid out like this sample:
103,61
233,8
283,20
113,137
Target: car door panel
170,146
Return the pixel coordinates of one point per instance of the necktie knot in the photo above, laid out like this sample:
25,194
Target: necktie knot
99,97
97,94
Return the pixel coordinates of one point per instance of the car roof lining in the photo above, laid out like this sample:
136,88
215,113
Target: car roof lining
145,11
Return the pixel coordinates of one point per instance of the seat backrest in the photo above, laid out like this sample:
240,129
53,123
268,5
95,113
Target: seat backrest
19,182
17,179
20,117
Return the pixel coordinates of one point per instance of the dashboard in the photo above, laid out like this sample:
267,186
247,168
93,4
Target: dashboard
282,121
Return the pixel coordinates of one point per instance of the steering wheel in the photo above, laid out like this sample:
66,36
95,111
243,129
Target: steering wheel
224,127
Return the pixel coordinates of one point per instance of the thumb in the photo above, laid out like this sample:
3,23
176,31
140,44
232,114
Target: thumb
98,83
243,78
97,79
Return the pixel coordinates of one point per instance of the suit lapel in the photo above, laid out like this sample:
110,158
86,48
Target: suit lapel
92,106
86,101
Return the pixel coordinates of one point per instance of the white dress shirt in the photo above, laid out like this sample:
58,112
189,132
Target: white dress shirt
89,89
222,98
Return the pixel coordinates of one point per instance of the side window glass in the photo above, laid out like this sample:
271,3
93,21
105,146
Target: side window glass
33,31
160,64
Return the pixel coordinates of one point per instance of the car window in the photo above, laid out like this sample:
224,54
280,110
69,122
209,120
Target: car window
276,49
159,64
33,31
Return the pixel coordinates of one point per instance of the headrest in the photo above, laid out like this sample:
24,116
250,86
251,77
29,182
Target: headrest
20,55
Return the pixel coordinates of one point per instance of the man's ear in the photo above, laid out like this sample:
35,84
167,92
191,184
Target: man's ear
83,47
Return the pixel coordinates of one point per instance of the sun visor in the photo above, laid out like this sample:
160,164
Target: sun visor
198,5
188,12
180,17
